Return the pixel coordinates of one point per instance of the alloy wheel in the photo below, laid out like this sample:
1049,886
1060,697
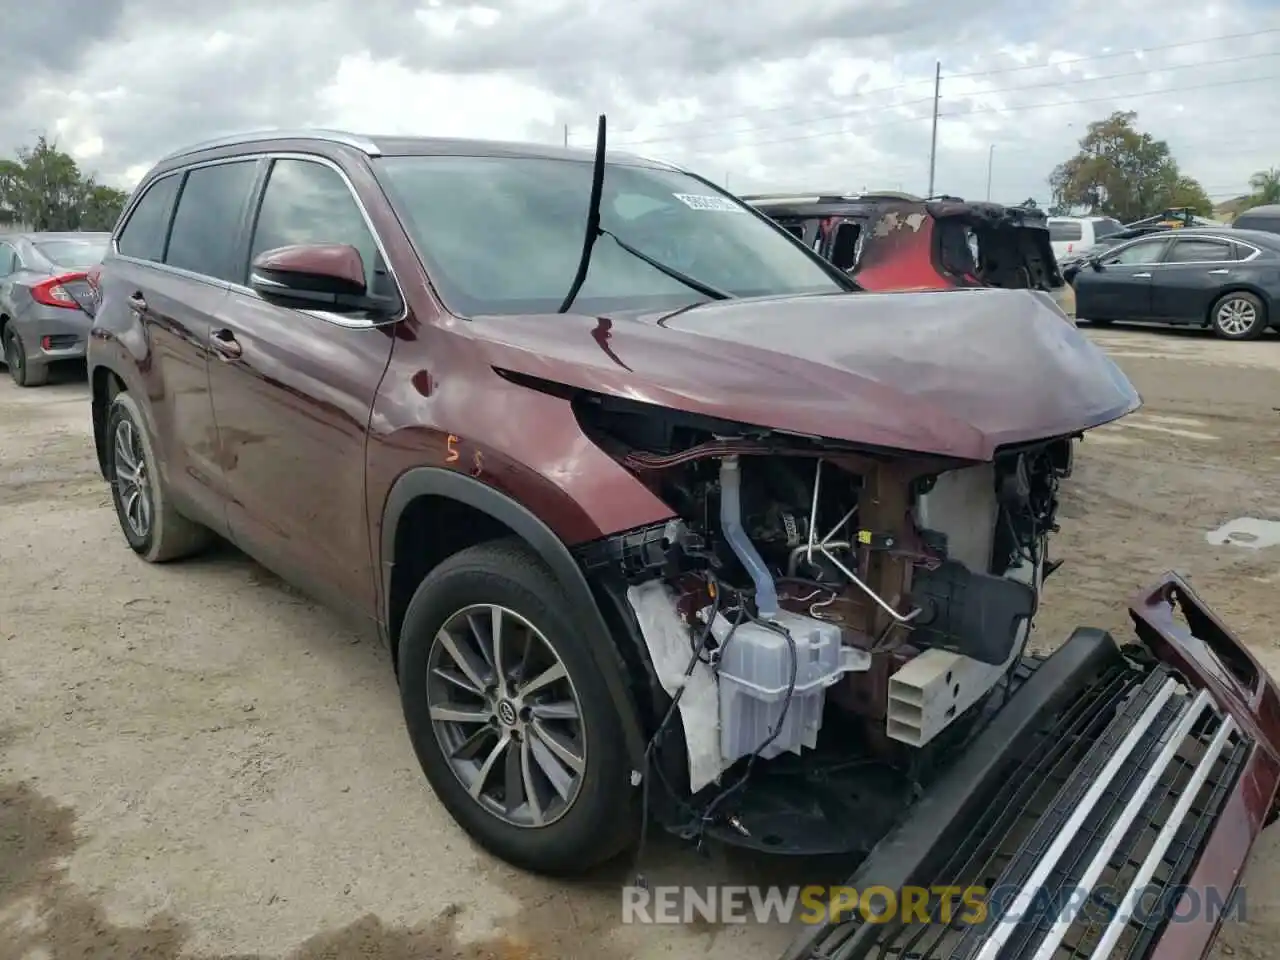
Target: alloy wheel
506,715
133,487
1236,317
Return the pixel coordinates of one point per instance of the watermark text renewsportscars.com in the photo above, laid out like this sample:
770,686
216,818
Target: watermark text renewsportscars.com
938,904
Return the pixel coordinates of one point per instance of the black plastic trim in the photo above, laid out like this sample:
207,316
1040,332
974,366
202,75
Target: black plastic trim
906,854
439,482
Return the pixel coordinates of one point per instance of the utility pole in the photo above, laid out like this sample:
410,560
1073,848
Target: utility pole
991,155
566,134
933,148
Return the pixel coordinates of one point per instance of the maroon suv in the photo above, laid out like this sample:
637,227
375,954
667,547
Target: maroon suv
661,518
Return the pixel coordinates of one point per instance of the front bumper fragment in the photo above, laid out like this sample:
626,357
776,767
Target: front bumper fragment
1106,812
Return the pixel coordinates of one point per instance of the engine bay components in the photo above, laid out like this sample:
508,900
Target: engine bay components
811,601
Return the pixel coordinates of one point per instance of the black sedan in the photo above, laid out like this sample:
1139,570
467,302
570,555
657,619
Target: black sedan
1226,279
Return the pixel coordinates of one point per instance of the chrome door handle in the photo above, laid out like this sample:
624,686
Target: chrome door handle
1218,273
1142,276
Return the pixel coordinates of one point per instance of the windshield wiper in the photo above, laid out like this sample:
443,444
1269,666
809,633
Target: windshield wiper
715,293
594,230
593,220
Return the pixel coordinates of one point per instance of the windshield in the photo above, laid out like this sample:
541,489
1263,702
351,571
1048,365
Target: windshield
72,253
504,235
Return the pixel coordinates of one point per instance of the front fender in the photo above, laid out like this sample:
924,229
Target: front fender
442,482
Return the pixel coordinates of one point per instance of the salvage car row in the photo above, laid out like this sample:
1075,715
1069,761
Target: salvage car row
664,518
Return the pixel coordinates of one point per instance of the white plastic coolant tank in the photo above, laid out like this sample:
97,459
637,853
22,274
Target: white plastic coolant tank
755,667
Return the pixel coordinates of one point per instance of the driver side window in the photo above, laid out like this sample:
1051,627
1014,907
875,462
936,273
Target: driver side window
1148,251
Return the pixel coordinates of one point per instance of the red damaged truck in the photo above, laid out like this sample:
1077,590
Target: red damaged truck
662,518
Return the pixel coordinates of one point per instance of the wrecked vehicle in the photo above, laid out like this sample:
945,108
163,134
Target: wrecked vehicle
895,241
661,519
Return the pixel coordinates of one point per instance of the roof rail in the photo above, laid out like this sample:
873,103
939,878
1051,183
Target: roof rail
363,144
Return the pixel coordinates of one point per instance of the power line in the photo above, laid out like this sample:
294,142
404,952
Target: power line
882,108
999,70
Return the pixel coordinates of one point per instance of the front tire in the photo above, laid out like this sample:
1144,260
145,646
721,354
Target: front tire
527,757
1239,315
153,527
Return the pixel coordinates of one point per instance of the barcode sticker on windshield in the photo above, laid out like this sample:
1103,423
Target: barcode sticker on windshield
698,201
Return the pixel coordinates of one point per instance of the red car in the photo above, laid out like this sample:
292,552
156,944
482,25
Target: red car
663,520
894,241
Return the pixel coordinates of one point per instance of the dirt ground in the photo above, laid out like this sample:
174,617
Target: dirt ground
196,762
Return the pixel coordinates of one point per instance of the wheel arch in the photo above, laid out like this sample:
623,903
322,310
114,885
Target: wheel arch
104,384
473,512
1240,286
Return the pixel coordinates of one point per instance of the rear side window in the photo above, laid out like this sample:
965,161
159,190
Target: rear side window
310,202
1065,231
143,236
206,229
1191,250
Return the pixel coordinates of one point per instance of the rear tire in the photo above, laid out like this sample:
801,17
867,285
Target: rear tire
15,357
1238,315
152,526
568,828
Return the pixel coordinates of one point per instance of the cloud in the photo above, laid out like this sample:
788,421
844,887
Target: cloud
820,95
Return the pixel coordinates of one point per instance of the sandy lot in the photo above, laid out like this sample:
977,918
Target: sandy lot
197,762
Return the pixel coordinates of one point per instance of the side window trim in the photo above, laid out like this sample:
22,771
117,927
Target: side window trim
266,159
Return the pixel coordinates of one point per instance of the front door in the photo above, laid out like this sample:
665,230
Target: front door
1120,287
292,395
1187,282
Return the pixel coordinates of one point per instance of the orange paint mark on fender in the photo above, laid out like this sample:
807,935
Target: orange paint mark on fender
453,450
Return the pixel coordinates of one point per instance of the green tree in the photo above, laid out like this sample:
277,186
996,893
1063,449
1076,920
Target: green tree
45,189
1124,173
1266,187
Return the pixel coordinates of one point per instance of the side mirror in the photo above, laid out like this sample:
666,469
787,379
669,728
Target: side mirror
314,275
1096,263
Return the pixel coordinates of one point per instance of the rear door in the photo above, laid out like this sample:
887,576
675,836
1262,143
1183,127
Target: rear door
1188,280
1121,288
293,394
156,302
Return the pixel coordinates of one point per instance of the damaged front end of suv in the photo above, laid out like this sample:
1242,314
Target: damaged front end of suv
829,614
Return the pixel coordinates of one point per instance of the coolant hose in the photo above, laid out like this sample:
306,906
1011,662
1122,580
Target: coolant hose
743,548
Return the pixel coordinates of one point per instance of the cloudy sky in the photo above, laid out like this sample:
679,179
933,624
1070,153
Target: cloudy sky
817,94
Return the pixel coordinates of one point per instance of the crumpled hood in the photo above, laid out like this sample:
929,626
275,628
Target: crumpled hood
953,373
